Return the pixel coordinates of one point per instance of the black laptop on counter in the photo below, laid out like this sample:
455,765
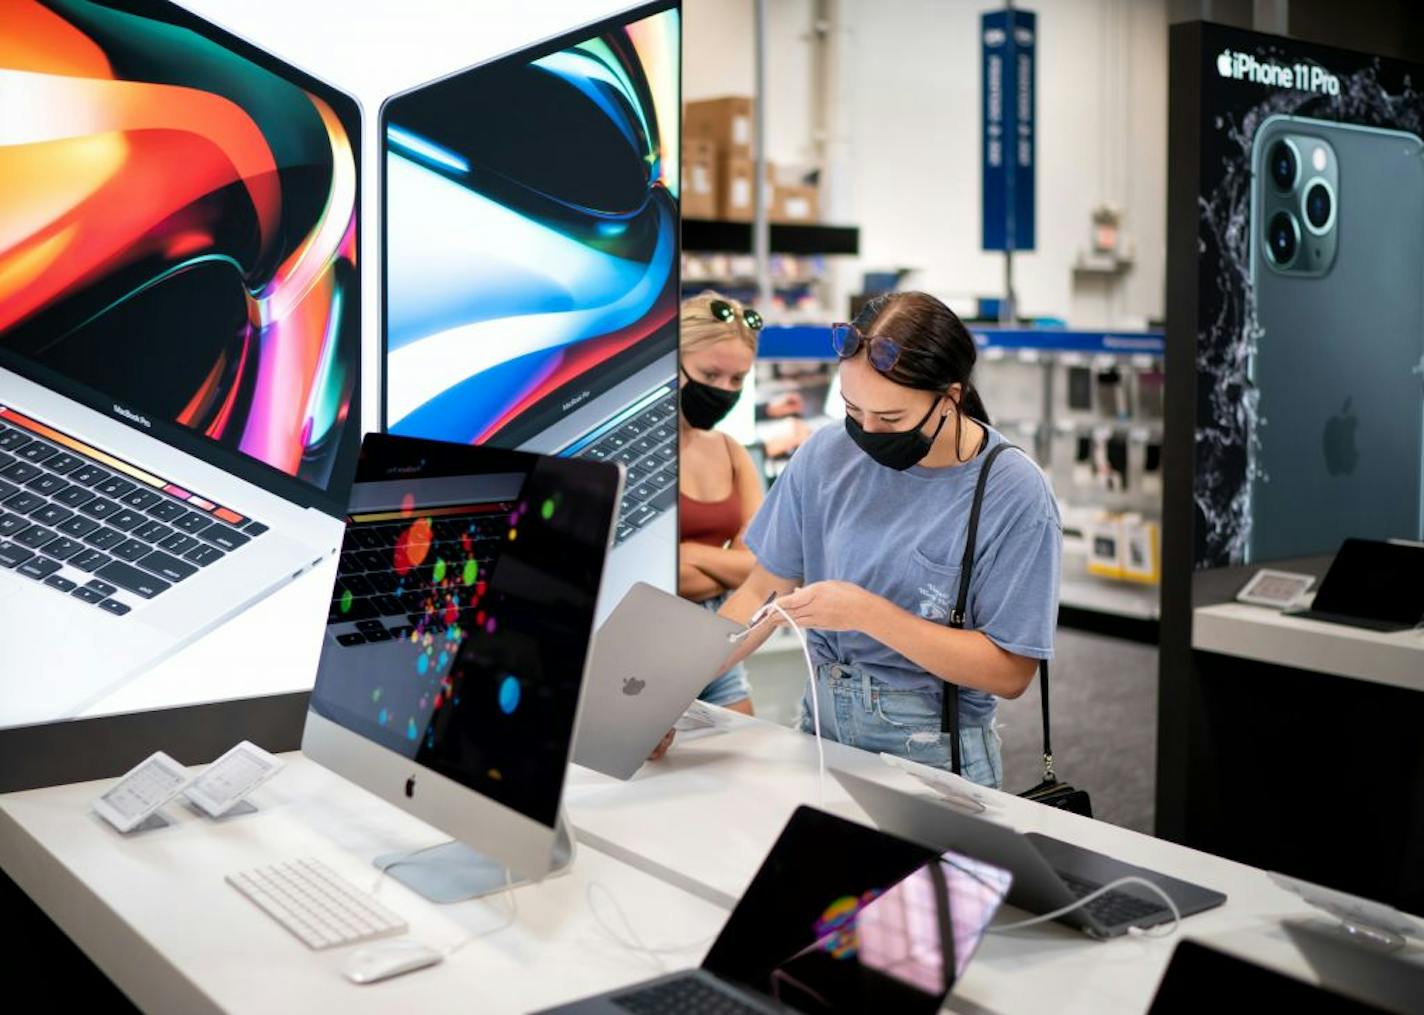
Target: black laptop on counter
840,918
1373,584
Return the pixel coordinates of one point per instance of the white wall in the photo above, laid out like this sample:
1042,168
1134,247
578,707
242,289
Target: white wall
910,175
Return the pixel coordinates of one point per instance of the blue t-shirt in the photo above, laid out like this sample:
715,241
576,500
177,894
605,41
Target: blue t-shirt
836,514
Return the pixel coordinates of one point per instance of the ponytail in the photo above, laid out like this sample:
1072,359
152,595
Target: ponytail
972,405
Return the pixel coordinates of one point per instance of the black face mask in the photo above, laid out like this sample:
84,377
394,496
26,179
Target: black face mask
706,406
898,450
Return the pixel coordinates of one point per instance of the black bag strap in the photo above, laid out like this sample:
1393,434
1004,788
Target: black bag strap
971,534
1048,775
949,699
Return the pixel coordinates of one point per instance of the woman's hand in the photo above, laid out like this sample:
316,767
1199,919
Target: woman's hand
663,745
827,606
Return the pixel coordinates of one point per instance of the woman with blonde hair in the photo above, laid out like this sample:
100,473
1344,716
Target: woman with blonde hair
718,487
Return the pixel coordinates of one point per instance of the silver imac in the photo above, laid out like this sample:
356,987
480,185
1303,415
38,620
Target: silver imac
455,648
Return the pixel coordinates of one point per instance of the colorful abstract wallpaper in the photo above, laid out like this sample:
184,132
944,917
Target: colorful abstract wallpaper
178,227
531,229
463,611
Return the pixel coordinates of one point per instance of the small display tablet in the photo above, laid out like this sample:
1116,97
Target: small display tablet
143,790
1277,589
227,780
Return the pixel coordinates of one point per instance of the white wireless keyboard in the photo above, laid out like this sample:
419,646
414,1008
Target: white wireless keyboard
322,909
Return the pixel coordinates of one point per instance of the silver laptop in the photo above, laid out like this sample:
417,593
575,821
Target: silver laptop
1048,873
179,341
651,658
530,231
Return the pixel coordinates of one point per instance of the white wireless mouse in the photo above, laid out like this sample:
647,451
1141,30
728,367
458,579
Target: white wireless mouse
385,959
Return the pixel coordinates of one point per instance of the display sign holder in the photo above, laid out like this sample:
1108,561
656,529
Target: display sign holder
1008,42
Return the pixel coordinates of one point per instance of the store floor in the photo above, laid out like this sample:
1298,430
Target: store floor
1104,720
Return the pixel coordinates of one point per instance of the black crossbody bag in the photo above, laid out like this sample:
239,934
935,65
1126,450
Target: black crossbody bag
1050,791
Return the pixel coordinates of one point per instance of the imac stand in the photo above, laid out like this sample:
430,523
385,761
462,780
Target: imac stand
453,872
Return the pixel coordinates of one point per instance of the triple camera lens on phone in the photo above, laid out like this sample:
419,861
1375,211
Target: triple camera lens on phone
1297,205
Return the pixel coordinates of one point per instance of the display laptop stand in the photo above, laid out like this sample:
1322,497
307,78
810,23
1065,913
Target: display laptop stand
453,872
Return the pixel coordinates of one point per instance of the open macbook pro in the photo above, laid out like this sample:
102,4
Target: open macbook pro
179,338
530,253
840,918
1374,584
651,658
1048,873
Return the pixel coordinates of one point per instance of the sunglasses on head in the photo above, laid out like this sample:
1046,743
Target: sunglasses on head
725,313
882,352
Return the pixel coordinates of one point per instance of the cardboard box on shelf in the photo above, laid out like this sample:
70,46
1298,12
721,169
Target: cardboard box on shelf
799,203
699,179
726,122
735,200
699,149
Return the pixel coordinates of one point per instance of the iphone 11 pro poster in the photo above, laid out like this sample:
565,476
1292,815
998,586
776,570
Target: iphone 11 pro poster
1307,201
1337,269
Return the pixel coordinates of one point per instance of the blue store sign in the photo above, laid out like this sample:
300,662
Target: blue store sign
1008,38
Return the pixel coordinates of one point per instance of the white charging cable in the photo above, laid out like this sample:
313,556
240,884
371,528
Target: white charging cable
633,942
1171,928
508,892
815,703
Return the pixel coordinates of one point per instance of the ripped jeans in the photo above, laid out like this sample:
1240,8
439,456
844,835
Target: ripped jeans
861,710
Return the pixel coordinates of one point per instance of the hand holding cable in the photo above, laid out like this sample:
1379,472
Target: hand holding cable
825,606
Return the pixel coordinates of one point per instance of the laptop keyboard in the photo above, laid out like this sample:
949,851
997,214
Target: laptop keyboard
645,443
1115,908
385,601
110,535
691,995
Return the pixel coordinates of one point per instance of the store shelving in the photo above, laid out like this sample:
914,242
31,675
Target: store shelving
714,235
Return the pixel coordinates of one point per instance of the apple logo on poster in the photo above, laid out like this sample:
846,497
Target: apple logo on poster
1341,455
410,786
1223,64
633,687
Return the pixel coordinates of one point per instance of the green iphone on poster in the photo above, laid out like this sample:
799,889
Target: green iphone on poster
1337,272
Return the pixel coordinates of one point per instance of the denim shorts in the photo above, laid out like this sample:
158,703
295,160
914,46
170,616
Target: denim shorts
731,686
861,710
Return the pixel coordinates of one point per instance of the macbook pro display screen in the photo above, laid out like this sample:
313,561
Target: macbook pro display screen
844,918
531,232
178,234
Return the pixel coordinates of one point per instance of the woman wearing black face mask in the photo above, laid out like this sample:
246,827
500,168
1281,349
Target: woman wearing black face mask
863,535
718,488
